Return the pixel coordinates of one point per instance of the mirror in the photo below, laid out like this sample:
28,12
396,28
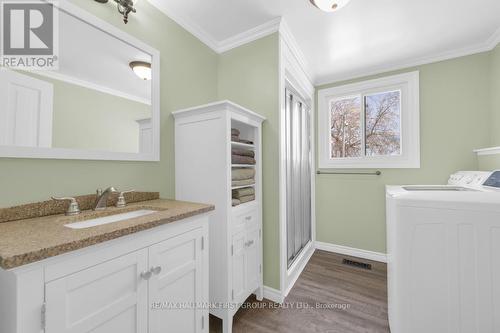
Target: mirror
101,103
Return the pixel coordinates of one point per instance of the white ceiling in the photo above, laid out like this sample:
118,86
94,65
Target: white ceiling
94,59
365,37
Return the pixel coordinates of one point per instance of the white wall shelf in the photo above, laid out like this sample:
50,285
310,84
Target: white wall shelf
242,145
244,186
487,151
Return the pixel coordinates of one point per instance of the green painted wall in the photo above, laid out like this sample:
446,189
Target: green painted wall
188,78
248,75
454,115
488,162
492,162
495,97
97,121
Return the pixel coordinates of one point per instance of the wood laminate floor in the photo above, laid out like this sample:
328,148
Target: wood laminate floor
357,299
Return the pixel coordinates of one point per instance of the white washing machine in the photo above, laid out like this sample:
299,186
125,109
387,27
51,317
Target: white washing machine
443,255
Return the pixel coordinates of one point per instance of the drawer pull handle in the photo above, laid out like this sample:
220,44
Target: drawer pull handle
146,275
249,243
248,218
156,270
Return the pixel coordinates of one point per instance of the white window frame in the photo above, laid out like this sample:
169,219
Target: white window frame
408,84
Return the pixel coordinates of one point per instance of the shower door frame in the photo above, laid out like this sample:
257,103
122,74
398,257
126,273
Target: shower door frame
293,77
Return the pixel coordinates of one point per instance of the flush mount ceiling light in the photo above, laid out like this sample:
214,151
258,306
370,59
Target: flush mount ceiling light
142,69
124,7
329,5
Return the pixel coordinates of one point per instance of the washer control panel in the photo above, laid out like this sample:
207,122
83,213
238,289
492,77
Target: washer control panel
470,178
493,180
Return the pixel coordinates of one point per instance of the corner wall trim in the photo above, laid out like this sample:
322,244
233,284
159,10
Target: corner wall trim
353,252
273,295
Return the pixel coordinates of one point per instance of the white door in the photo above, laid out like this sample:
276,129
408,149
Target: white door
145,136
176,287
239,289
109,297
26,112
252,260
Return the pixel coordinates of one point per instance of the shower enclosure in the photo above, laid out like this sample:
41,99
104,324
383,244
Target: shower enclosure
298,175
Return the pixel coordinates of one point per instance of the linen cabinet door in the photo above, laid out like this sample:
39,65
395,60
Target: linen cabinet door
109,297
176,287
252,260
238,267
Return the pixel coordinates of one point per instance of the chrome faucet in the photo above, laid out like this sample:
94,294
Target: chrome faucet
101,201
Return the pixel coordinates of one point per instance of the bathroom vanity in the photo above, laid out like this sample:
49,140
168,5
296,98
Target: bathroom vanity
143,274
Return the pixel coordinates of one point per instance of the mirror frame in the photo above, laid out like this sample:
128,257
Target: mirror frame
82,154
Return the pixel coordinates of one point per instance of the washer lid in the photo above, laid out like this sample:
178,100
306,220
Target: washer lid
413,188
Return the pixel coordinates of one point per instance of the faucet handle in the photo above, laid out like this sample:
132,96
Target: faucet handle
121,198
73,208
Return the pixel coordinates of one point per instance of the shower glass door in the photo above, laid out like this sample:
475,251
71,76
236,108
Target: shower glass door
298,175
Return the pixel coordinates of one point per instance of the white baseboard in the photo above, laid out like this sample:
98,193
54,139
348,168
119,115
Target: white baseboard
353,252
273,295
298,266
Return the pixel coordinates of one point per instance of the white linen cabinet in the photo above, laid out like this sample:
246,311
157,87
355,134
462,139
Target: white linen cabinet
203,169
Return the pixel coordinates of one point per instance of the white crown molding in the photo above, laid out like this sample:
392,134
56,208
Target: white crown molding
352,252
279,24
222,46
485,46
291,42
93,86
494,40
187,24
250,35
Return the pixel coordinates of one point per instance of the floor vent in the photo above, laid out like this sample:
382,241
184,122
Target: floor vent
357,264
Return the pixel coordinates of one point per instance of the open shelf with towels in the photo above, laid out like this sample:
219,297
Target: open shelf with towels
206,138
243,186
242,145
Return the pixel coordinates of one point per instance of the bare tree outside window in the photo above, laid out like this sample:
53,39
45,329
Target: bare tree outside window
383,124
345,127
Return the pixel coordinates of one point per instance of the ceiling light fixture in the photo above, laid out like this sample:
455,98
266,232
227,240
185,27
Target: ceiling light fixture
142,69
124,7
329,5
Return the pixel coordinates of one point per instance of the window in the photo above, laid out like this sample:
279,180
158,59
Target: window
371,124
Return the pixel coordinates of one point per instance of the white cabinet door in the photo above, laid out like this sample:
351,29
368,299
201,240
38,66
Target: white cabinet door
252,260
239,289
109,297
176,287
26,112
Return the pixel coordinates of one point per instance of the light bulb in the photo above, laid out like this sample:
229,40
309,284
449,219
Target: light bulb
329,5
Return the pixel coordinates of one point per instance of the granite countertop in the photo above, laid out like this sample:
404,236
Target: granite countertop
30,240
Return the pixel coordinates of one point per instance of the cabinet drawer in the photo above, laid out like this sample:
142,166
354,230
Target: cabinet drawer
248,218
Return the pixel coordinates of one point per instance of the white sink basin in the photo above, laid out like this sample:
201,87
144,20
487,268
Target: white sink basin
110,219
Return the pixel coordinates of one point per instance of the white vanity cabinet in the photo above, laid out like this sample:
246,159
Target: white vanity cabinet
152,281
203,173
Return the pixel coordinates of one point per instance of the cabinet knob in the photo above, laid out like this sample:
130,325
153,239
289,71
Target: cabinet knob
156,270
249,243
248,218
146,275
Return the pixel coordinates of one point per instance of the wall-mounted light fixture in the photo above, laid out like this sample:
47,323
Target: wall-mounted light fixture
124,7
142,69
